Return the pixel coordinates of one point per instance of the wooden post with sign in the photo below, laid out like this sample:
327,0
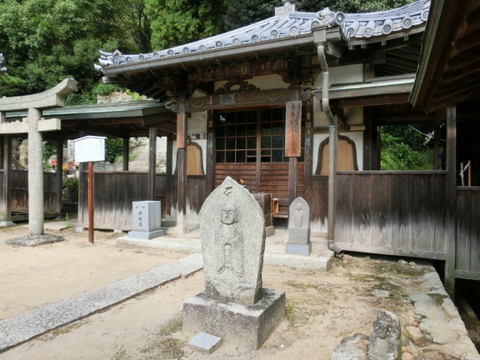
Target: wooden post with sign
90,149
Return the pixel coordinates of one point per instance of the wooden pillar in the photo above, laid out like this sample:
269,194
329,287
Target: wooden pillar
5,196
126,153
210,161
152,161
368,140
168,177
59,178
332,179
437,157
181,168
451,202
293,144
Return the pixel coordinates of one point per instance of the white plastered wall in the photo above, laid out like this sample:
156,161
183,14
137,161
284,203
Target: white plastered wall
197,133
354,116
356,137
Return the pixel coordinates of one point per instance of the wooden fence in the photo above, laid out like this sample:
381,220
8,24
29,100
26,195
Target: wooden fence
467,262
396,213
115,192
19,193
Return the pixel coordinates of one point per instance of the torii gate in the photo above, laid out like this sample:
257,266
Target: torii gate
33,124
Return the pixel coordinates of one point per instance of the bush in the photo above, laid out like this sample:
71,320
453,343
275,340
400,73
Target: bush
70,184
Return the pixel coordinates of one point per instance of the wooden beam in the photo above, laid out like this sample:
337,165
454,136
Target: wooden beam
152,161
292,179
293,129
126,153
370,101
5,195
181,168
59,177
451,201
405,119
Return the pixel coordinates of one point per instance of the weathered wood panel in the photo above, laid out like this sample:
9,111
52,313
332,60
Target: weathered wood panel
468,233
115,192
316,194
19,192
395,213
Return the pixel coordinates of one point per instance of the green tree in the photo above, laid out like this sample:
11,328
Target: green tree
176,22
405,147
45,41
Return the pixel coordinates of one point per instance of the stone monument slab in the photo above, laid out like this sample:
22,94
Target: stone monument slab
232,231
234,306
299,228
147,222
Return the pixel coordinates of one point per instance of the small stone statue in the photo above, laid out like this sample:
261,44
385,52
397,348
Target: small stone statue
232,228
385,341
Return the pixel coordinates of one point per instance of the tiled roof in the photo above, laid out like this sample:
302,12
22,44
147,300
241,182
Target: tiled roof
288,23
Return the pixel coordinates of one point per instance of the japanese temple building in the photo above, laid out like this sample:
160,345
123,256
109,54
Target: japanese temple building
290,106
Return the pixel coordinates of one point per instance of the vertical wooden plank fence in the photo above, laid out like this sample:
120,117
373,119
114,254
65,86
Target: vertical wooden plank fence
115,192
394,213
467,264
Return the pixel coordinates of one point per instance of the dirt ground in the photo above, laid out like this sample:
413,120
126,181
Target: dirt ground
322,308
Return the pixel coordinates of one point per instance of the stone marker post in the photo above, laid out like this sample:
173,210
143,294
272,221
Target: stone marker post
299,228
34,125
234,305
147,220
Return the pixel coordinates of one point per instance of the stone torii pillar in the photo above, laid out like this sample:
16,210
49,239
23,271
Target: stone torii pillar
34,125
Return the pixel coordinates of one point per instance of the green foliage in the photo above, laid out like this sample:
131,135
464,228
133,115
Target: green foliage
176,22
403,148
70,184
45,41
113,149
10,85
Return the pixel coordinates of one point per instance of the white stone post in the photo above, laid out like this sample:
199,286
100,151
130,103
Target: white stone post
35,174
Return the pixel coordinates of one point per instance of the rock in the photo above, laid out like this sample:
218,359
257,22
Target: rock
381,293
351,348
34,240
403,262
385,341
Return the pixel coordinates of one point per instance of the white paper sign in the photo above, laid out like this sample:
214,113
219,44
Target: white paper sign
90,148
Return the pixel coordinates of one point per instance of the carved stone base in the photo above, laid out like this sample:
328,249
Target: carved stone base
244,325
298,249
146,235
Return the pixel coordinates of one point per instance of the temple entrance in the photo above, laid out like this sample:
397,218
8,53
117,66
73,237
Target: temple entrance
250,147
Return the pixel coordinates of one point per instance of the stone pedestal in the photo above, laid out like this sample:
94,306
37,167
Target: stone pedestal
147,223
298,249
244,325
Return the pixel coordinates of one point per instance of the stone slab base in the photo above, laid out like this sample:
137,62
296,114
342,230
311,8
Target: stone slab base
244,325
205,343
146,235
298,249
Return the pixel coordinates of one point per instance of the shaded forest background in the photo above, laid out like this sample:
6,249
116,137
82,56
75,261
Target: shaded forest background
46,41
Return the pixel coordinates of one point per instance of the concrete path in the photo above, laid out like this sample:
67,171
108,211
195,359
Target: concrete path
319,259
21,328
